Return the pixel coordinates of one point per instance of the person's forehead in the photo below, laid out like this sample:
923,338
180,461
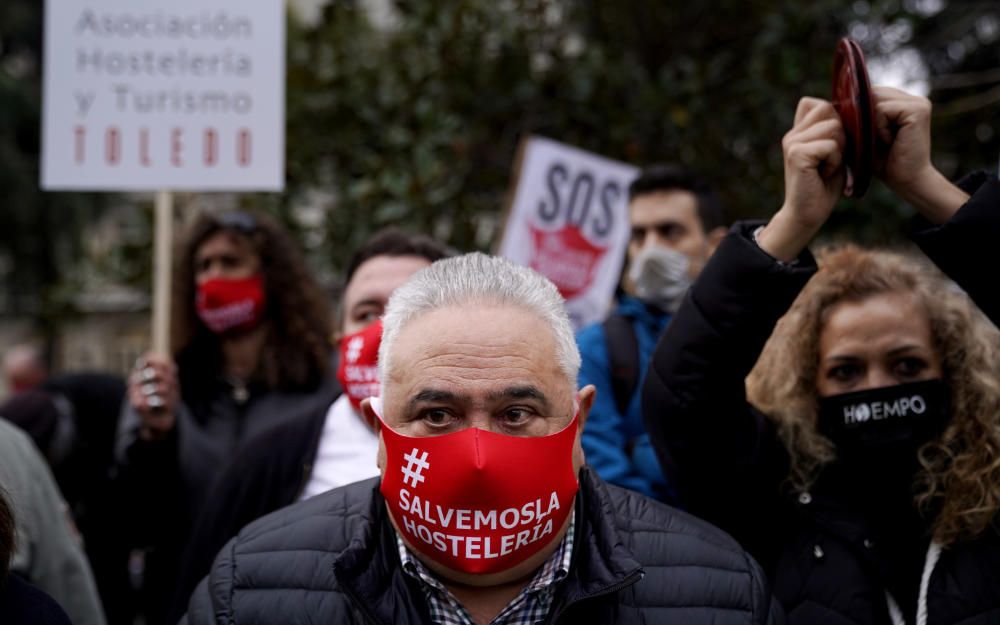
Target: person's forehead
475,345
379,276
874,322
224,242
650,209
21,356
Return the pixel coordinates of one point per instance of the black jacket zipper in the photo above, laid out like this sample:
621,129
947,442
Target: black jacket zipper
632,578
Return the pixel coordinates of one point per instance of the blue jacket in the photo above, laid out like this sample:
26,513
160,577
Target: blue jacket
616,445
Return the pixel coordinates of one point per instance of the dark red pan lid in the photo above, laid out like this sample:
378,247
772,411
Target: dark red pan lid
853,99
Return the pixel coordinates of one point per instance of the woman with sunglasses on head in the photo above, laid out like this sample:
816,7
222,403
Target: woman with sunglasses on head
859,461
251,348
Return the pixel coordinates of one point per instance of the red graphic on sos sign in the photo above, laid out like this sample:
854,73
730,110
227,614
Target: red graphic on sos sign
583,213
569,222
568,256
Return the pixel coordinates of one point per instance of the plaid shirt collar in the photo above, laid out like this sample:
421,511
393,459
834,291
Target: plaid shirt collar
529,607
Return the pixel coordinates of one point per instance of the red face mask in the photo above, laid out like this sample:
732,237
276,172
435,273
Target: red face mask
477,501
358,371
226,305
21,386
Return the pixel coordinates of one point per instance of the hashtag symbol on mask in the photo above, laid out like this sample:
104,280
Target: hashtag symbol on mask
354,348
414,467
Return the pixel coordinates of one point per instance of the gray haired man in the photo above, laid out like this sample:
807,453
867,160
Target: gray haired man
484,512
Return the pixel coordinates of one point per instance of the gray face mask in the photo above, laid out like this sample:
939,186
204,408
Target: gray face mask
660,276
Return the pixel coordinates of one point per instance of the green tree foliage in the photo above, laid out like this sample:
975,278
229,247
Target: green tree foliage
40,233
961,47
955,48
417,121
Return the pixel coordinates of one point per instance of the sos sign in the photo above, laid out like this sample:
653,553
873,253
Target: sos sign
569,221
573,198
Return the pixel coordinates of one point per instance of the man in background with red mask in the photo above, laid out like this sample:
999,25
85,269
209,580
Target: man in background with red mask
324,448
484,513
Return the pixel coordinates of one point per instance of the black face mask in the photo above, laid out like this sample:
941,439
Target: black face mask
885,425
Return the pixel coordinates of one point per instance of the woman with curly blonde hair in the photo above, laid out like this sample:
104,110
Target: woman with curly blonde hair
859,458
959,474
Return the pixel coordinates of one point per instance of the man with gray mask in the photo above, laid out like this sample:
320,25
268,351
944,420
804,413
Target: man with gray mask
676,223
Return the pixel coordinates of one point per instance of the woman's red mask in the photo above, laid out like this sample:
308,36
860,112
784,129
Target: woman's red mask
357,371
477,501
226,305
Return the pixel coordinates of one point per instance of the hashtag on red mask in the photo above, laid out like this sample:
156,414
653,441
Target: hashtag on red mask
357,370
477,501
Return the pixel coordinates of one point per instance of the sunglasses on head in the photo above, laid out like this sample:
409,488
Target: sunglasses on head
236,220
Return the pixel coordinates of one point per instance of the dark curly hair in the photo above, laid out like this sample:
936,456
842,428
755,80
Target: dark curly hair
296,353
7,535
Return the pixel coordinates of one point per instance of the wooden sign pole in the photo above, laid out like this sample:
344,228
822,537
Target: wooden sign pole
162,252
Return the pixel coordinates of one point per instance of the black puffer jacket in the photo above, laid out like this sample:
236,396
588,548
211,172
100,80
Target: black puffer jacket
332,559
818,548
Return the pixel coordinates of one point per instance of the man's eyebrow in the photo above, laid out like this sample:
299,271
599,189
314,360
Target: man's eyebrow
658,223
902,349
520,392
371,301
432,395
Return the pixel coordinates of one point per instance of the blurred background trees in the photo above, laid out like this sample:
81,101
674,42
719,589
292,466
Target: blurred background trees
40,233
418,120
411,114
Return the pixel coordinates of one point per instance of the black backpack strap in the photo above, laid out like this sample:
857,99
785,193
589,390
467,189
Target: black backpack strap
623,359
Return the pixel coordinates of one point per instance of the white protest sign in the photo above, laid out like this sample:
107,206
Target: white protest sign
569,221
164,94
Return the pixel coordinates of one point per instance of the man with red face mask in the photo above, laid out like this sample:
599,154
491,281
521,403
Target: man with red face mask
325,448
484,513
251,349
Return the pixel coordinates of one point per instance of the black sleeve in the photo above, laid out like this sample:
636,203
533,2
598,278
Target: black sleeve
960,246
727,460
268,473
232,500
211,601
149,478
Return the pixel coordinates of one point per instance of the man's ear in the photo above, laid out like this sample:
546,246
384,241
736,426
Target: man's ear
372,417
380,455
368,412
715,237
585,400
